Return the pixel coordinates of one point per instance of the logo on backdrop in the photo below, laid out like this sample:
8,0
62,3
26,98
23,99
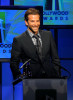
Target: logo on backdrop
3,46
2,29
54,12
54,5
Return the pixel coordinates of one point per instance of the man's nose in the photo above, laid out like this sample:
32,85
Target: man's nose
36,23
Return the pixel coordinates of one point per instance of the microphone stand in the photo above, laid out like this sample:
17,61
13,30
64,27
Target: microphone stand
22,76
63,69
26,73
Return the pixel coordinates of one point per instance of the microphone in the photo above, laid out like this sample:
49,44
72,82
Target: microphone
63,69
24,64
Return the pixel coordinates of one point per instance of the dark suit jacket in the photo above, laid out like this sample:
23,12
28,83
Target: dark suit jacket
24,49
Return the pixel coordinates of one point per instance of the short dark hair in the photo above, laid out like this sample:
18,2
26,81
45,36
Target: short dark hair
32,11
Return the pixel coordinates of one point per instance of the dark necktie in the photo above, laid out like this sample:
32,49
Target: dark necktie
38,45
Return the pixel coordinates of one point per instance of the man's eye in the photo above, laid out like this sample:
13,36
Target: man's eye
38,21
32,21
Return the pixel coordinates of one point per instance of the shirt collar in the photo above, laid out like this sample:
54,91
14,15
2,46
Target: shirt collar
31,34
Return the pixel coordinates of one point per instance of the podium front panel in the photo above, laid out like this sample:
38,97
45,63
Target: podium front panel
45,89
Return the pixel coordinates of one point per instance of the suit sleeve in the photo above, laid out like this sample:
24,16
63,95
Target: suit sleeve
54,56
15,58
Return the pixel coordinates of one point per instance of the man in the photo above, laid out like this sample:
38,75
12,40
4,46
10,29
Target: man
37,45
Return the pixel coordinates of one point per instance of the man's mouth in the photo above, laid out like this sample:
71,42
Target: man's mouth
35,27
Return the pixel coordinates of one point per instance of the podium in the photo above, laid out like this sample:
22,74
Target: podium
43,89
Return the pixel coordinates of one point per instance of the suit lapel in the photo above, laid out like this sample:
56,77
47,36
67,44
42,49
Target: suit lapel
44,43
29,43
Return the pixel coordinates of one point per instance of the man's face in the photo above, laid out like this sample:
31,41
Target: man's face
33,23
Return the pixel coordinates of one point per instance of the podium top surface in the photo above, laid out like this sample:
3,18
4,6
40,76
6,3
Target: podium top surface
21,79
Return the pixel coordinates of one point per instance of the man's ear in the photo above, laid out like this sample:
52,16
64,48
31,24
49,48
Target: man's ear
26,23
